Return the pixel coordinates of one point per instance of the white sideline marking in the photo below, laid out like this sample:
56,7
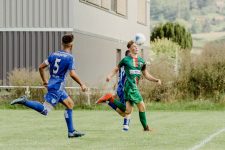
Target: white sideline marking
207,140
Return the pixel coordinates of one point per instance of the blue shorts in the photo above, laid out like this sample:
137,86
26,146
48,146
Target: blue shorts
55,97
120,93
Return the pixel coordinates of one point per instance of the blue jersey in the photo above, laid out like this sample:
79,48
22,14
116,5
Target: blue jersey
121,82
61,63
122,77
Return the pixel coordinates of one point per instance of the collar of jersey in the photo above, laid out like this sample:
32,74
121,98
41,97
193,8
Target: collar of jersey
133,57
63,51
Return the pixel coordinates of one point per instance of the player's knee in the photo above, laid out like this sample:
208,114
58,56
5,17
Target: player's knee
127,112
71,105
141,107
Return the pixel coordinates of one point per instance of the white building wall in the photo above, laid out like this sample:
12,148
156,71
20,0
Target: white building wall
98,34
98,21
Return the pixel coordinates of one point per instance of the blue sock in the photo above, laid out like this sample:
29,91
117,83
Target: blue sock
126,121
112,105
69,119
34,105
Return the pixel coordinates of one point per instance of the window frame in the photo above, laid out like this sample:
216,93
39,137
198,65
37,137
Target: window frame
107,10
145,23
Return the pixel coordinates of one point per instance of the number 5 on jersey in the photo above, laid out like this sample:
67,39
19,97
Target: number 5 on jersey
56,65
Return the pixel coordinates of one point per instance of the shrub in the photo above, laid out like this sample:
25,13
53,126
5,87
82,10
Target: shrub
162,67
26,77
204,79
164,47
23,77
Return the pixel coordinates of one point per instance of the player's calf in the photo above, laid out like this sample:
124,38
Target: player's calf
41,108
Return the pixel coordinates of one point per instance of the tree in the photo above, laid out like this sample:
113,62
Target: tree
174,31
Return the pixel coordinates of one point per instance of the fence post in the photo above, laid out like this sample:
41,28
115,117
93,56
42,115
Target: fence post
88,96
27,92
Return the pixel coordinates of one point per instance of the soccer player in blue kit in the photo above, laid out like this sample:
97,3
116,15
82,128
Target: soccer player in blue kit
60,64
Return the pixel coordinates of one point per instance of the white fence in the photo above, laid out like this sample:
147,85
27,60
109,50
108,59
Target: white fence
27,90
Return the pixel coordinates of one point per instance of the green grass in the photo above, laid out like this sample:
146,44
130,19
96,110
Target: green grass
197,105
28,130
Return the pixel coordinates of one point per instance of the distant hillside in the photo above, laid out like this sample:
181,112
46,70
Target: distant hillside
199,16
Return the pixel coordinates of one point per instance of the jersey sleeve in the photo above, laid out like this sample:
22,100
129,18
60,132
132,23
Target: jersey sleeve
46,62
49,60
72,64
144,65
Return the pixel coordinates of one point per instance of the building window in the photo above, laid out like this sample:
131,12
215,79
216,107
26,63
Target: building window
106,4
118,7
95,2
114,5
121,7
142,12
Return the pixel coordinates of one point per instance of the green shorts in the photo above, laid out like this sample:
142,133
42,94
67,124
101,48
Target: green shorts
132,95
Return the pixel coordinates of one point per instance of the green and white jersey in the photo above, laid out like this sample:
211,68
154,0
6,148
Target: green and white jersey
133,68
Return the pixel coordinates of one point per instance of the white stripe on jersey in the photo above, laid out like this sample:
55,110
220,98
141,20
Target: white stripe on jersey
46,62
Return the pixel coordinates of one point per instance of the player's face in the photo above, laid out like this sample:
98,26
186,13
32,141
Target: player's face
134,49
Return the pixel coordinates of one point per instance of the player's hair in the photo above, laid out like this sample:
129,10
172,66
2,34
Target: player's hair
130,43
127,52
67,39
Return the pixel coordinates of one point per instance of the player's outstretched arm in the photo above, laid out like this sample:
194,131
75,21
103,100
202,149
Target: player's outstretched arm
75,77
42,73
149,77
114,72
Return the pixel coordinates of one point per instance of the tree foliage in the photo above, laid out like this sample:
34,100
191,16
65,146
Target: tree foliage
174,31
199,15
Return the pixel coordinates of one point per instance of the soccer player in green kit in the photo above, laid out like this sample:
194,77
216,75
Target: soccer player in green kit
134,65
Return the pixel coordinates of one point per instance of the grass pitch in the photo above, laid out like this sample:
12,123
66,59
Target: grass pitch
28,130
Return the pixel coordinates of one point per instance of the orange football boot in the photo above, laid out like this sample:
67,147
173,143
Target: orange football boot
104,98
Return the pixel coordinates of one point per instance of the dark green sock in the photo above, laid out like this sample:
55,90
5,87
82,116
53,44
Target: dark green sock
143,119
120,105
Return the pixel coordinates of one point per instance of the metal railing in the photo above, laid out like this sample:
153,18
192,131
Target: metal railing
27,90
